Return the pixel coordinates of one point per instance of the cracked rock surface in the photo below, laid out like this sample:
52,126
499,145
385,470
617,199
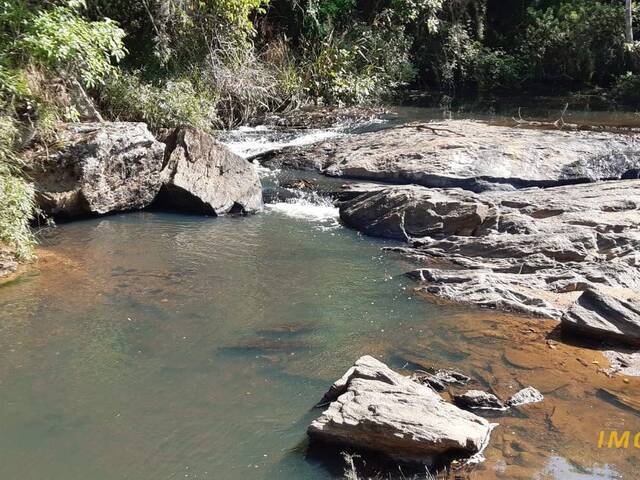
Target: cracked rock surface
530,251
98,168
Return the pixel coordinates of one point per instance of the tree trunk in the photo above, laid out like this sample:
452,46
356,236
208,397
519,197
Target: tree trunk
628,20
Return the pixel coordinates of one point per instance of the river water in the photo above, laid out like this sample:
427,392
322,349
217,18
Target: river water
157,345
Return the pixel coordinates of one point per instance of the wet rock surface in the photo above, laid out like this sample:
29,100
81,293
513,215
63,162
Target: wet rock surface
602,317
469,154
375,408
477,399
99,168
531,251
201,175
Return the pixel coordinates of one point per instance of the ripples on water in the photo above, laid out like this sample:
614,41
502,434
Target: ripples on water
156,346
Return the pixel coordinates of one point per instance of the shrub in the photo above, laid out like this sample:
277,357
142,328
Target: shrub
576,41
360,65
627,89
61,40
161,105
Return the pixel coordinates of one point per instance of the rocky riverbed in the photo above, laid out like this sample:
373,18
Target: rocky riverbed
483,238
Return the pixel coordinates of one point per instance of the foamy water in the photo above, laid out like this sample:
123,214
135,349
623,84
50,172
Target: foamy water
320,211
250,141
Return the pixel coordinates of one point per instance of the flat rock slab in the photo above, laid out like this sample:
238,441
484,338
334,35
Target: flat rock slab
201,175
99,168
531,251
472,155
602,317
374,408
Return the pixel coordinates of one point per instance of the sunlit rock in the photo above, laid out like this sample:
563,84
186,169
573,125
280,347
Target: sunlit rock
602,317
201,175
472,155
375,408
97,168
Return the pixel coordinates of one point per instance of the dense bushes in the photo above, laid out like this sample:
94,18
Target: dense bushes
577,42
44,54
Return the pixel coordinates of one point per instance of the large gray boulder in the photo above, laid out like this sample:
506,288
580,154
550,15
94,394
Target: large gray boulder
98,168
375,408
404,213
472,155
531,251
602,317
203,176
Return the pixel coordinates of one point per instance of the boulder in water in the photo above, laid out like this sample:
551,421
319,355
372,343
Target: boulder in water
374,408
100,168
201,175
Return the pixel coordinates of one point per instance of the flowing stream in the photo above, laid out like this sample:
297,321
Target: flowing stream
157,345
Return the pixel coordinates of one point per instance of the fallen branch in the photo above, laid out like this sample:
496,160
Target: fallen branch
434,130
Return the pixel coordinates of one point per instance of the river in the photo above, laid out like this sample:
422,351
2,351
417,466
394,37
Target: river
156,345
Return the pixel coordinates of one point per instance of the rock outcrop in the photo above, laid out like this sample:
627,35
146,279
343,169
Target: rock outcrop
602,317
531,251
375,408
99,168
472,155
201,175
118,166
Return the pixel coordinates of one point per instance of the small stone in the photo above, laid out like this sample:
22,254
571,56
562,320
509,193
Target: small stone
477,399
525,396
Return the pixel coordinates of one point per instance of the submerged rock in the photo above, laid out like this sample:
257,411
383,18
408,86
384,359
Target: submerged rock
439,379
602,317
201,175
477,399
375,408
472,155
100,168
530,251
524,397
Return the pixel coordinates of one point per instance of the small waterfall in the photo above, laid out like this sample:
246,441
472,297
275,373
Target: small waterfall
303,204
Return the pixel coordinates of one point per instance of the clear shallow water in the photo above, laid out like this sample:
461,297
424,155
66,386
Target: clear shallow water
159,346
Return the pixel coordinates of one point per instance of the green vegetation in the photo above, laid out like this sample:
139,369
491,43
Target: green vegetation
219,63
